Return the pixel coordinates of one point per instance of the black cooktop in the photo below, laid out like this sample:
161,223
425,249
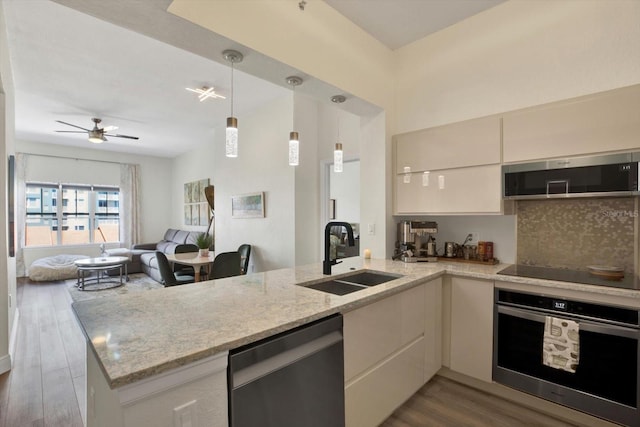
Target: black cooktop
566,275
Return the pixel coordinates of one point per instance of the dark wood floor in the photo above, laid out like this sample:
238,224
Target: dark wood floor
47,381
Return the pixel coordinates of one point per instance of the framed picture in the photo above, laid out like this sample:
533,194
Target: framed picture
196,211
247,205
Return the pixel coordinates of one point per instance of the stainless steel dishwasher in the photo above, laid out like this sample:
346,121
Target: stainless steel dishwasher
292,379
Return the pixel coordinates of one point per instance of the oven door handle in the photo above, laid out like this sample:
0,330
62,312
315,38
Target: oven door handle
585,325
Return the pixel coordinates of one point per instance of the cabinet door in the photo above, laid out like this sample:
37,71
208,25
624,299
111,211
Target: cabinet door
608,121
472,327
469,190
414,198
466,190
469,143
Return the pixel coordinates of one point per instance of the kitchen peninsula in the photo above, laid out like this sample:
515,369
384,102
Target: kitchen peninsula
152,354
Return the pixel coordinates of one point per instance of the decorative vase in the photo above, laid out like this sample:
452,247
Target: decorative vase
203,252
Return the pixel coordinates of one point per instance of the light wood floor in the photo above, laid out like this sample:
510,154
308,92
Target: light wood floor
48,378
445,403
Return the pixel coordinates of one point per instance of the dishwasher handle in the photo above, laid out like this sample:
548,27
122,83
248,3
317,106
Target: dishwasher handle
280,360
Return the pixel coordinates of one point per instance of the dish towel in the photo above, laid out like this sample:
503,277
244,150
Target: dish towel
561,344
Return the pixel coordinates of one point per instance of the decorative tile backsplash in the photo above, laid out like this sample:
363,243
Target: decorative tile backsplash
575,233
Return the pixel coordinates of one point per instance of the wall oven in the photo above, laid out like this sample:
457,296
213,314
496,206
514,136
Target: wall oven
606,379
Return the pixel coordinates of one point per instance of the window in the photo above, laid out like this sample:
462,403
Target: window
61,214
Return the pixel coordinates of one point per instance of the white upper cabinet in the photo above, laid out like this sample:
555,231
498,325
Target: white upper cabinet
469,143
472,190
463,164
608,121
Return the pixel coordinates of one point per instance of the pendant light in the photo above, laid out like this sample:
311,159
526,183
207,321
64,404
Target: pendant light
231,141
337,153
294,140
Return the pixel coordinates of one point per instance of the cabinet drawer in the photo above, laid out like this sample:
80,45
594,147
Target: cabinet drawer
468,143
372,398
373,332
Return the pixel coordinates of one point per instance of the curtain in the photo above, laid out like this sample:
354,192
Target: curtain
20,210
130,224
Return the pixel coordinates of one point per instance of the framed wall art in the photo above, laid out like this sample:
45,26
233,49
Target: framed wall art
196,208
247,205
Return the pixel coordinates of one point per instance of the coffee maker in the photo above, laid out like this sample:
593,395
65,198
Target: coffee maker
415,241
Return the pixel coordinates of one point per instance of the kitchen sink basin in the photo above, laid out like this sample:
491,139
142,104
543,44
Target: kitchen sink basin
352,283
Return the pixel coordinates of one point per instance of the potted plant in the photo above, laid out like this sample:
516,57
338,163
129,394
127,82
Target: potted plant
204,241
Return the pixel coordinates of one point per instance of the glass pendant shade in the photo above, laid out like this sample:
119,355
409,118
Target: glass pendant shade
231,146
337,158
294,149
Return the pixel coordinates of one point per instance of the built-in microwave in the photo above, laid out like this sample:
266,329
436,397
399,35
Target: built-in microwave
606,175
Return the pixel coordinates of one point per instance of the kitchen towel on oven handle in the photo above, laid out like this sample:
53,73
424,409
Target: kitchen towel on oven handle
561,344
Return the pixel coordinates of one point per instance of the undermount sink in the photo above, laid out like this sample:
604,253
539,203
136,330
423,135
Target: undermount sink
352,283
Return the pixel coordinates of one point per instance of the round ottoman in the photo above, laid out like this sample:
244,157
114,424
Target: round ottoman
57,267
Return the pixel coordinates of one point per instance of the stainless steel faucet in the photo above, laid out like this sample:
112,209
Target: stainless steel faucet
328,262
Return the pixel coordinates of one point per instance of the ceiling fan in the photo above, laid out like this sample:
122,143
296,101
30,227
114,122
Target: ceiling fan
96,135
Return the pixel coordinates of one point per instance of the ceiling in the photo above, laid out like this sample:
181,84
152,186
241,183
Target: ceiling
129,62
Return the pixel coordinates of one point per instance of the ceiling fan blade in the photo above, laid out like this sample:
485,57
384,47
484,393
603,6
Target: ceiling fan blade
70,131
69,124
122,136
109,128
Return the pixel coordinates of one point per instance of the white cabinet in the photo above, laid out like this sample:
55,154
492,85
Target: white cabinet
197,393
463,162
466,190
607,121
387,346
468,143
433,329
472,327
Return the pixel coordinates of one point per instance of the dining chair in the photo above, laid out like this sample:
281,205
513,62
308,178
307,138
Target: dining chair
184,270
245,252
225,264
169,278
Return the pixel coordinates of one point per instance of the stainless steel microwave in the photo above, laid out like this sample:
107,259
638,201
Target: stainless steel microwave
593,176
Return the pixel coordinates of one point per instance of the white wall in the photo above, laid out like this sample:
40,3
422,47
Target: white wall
307,183
345,190
192,166
330,48
155,185
518,54
261,166
8,311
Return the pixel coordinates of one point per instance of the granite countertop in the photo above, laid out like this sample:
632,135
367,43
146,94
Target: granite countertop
136,336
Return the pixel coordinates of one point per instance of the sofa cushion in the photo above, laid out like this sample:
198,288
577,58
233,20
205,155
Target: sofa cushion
168,235
180,236
166,247
149,258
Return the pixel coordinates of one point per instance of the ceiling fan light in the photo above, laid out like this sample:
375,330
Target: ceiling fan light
96,137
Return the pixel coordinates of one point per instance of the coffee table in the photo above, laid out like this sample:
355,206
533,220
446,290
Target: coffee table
100,265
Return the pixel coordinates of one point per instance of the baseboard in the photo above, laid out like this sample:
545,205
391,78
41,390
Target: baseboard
5,364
